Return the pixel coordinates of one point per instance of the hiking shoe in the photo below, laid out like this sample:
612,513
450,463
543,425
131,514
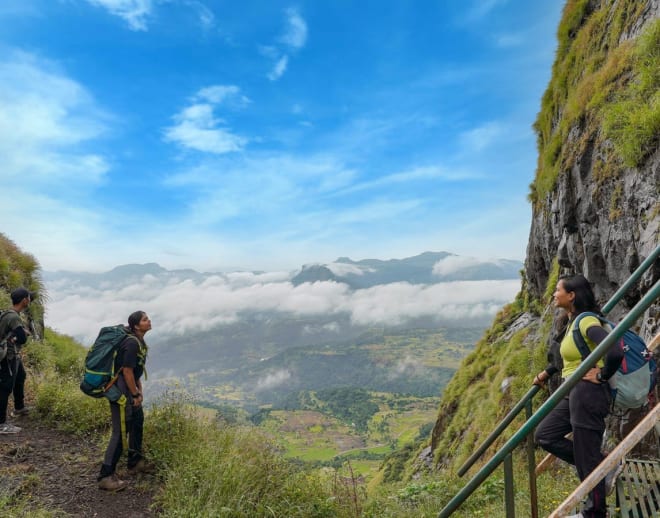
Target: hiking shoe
112,483
21,411
610,478
6,428
142,466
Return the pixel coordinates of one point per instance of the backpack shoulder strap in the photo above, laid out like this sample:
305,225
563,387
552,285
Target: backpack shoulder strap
578,337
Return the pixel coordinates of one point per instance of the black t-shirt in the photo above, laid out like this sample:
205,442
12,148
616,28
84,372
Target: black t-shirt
129,356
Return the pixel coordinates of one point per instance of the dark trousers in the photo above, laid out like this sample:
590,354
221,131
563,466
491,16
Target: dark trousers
134,426
583,412
12,379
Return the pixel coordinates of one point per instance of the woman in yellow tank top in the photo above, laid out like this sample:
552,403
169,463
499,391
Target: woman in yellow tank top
584,409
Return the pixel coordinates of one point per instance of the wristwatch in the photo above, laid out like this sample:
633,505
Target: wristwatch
136,395
599,377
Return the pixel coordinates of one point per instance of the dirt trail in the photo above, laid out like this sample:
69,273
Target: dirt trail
57,471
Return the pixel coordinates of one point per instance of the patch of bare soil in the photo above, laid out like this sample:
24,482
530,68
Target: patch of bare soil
49,469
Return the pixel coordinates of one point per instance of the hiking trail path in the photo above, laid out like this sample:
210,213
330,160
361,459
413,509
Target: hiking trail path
56,471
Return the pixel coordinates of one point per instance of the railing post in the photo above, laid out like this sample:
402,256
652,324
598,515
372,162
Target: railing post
509,490
531,468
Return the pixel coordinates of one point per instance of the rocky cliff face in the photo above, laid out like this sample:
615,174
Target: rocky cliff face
596,208
601,217
574,227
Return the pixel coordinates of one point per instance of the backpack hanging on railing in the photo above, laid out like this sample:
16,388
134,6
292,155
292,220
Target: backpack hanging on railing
635,377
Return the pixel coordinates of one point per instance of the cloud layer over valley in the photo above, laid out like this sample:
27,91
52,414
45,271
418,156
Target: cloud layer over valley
185,302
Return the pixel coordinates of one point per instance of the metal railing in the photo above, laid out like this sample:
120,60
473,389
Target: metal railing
616,456
534,419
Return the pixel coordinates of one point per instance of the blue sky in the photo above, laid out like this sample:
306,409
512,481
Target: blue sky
266,134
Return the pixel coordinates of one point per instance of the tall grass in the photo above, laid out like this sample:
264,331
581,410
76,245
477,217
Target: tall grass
427,495
55,370
633,120
209,469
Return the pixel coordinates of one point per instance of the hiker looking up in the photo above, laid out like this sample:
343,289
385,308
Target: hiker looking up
584,409
131,358
12,372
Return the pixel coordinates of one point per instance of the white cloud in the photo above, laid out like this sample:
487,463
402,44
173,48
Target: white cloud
134,12
278,187
273,380
481,8
204,14
332,326
377,210
295,35
477,139
46,118
196,126
279,68
342,269
293,39
219,299
453,264
407,367
396,303
229,94
414,174
509,40
239,279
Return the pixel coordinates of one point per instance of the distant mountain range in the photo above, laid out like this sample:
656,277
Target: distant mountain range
425,268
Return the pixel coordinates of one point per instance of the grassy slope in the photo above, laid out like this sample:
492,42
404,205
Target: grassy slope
607,89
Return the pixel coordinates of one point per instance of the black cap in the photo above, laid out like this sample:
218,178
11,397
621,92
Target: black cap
19,294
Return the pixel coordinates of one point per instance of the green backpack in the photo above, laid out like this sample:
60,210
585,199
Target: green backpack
3,339
100,376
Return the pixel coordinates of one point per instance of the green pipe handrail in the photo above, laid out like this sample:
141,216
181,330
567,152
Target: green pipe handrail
618,295
552,401
504,423
614,300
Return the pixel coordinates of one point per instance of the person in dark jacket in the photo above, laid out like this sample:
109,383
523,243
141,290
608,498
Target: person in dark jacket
583,411
12,372
131,359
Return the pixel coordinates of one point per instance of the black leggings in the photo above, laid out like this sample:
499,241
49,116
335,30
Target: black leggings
12,379
134,425
583,412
